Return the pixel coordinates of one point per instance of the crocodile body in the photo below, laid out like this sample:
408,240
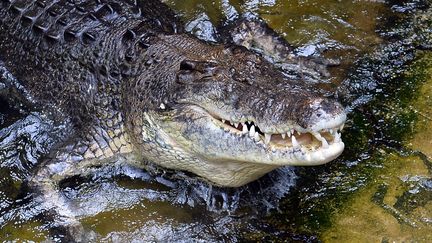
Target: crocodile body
134,85
132,82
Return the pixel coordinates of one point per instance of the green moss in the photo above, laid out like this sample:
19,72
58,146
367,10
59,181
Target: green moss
396,200
15,232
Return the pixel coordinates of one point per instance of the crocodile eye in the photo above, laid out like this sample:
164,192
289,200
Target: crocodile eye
203,67
187,65
187,72
239,50
195,71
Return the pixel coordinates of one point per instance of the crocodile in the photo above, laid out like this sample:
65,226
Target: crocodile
132,83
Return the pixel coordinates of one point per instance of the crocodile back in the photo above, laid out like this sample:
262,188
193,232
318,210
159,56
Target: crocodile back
75,54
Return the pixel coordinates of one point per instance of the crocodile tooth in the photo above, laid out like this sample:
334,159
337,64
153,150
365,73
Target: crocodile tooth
289,133
324,143
232,124
257,137
223,121
298,133
283,135
252,131
236,125
337,137
317,135
292,131
331,131
294,142
342,126
245,129
267,138
320,138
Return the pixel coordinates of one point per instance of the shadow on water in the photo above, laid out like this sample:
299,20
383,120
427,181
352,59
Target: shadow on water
376,44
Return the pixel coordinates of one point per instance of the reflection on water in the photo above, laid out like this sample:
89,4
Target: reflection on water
121,203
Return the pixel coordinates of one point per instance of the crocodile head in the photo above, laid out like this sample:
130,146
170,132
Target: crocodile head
230,116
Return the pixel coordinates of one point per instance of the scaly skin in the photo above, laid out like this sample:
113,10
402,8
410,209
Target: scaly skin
133,83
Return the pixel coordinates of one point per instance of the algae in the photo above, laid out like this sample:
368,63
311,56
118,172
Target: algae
396,204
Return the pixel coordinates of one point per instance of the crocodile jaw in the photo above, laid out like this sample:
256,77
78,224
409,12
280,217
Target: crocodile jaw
196,141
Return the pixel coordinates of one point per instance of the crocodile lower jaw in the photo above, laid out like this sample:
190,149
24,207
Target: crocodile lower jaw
292,147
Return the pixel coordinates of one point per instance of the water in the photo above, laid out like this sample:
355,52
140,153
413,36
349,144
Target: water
385,170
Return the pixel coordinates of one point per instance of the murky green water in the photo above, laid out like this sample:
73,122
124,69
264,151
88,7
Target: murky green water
379,190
